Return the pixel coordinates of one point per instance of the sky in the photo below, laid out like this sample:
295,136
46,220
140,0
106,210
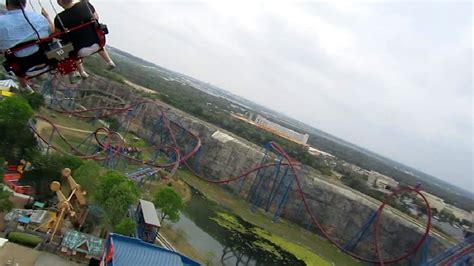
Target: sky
392,77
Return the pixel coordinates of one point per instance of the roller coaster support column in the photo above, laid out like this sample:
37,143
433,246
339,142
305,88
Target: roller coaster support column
54,98
181,133
250,195
129,117
258,181
263,185
69,96
241,185
89,137
362,234
156,128
47,87
96,117
421,259
197,161
438,259
111,158
274,189
284,200
156,156
50,140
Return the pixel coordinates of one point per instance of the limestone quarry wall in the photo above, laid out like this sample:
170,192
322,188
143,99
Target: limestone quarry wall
341,211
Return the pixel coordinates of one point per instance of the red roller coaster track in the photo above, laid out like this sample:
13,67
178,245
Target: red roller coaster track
110,111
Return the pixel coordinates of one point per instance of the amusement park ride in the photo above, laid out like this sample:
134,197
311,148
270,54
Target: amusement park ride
51,221
73,207
55,54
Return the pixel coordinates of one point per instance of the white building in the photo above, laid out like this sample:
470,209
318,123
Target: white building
281,130
316,152
435,202
439,204
381,182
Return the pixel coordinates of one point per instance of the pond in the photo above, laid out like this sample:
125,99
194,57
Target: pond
225,239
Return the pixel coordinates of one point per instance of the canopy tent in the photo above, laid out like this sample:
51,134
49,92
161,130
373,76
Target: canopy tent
7,84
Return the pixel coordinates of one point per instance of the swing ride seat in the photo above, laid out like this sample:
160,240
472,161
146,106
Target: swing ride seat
52,55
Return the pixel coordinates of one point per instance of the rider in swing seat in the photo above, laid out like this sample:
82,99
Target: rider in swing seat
84,40
19,27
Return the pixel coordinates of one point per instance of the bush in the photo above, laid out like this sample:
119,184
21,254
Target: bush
126,227
24,239
35,100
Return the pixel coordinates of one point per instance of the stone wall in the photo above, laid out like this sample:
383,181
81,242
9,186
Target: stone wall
341,211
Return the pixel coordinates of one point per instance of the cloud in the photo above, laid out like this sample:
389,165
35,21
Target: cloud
393,77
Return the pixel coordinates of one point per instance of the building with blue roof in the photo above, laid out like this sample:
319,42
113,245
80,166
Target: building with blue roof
127,251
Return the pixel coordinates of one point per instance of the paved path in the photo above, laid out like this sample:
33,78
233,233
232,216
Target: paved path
48,259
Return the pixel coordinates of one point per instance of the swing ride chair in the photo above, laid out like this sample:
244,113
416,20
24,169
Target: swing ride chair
52,55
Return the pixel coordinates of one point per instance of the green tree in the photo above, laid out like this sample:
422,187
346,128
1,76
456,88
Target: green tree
35,100
5,203
2,167
15,136
447,216
46,169
15,111
114,124
115,193
126,227
88,175
169,202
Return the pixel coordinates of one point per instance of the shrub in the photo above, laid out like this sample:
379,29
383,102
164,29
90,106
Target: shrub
24,239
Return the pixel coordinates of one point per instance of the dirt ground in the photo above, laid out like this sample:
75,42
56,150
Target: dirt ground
18,255
48,259
23,256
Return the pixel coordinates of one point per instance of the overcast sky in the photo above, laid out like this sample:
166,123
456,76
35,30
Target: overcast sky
392,77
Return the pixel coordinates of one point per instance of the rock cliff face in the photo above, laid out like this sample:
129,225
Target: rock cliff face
341,211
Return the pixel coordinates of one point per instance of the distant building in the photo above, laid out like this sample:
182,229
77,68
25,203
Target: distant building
124,251
381,182
460,214
316,152
282,131
439,204
435,202
274,128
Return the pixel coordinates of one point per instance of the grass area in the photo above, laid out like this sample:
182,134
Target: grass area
282,231
67,120
179,186
302,253
299,251
24,239
178,240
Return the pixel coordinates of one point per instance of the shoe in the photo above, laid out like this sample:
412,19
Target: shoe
84,74
111,65
36,70
74,78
